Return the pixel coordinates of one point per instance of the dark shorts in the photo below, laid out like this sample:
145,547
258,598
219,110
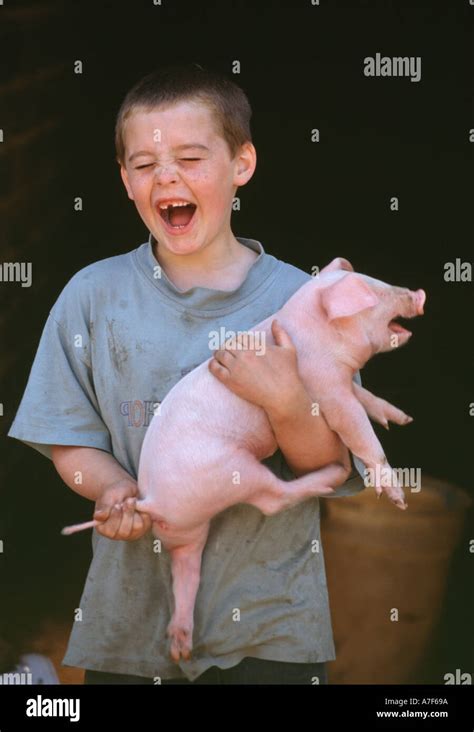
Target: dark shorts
248,671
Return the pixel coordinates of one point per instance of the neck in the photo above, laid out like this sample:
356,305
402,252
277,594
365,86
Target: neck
222,264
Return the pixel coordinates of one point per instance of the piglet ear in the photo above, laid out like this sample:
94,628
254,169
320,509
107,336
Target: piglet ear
338,263
347,296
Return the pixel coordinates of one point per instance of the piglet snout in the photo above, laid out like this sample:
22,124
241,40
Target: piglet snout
420,296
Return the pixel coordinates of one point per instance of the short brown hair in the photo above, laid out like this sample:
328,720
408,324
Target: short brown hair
227,101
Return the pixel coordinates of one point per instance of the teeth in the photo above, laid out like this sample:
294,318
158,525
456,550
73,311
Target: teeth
173,205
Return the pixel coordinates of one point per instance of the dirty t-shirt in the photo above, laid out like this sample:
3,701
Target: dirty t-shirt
118,338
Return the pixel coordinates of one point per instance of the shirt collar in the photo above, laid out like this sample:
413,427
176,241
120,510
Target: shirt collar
203,298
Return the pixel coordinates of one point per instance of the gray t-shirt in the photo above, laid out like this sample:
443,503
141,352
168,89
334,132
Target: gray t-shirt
118,338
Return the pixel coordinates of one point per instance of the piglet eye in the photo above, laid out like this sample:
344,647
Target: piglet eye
139,167
190,159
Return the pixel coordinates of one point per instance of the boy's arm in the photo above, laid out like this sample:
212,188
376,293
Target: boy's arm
304,436
272,382
96,474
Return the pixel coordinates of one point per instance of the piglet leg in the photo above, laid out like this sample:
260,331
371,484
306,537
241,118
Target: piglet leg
257,486
347,417
261,488
185,549
380,410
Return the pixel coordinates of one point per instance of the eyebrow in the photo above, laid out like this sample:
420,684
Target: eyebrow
180,148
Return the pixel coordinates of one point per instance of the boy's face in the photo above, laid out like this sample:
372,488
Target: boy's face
175,154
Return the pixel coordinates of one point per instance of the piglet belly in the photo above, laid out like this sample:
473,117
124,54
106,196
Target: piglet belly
193,446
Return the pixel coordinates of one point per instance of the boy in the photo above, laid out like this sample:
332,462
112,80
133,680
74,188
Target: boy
122,333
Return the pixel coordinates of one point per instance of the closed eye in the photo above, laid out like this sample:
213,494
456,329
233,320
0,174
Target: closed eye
184,160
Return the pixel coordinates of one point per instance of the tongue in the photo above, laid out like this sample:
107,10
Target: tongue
397,328
181,215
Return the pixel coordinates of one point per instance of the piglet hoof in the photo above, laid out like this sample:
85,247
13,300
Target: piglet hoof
181,642
393,490
395,415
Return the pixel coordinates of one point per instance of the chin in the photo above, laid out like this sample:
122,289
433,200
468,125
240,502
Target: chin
183,246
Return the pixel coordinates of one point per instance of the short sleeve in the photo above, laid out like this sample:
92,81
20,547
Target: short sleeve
59,405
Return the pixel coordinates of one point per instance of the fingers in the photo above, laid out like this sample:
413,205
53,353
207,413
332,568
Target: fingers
111,525
217,370
102,513
124,523
225,357
141,525
219,365
280,335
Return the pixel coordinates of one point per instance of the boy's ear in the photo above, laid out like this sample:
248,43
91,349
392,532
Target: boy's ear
126,182
246,162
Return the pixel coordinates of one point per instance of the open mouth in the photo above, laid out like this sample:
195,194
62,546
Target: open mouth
397,327
177,215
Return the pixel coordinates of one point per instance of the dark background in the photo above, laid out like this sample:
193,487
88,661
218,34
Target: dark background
302,68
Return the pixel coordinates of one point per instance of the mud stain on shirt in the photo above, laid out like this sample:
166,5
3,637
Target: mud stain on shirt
118,352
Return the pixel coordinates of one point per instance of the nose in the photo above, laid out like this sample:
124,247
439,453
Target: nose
420,296
165,174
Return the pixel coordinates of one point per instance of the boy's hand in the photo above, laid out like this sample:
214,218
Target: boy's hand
116,509
270,380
